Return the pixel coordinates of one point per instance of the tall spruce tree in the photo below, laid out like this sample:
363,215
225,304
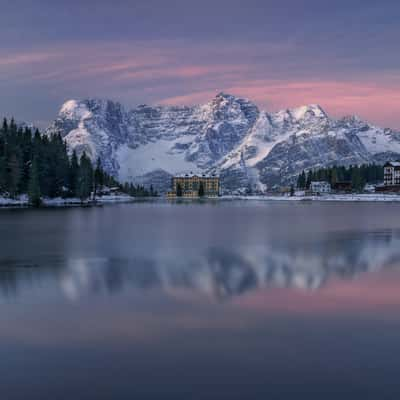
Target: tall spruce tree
301,181
13,173
99,178
85,177
73,175
309,179
34,185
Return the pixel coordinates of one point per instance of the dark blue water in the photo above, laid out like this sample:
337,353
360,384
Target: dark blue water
220,300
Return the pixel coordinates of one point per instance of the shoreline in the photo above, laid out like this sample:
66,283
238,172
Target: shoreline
22,202
364,197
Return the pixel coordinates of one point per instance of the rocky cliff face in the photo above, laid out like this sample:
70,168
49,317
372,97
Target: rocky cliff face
249,148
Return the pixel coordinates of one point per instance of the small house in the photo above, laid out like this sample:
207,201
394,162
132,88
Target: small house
320,187
391,173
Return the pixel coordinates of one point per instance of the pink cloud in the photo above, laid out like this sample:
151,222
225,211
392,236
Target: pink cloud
25,58
191,98
174,72
376,102
182,72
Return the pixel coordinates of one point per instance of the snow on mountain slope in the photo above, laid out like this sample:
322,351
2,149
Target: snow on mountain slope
251,150
376,140
154,156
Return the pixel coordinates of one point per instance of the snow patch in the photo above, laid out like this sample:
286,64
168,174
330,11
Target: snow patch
160,155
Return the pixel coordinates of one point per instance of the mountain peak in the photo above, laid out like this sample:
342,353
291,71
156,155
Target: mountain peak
230,97
69,106
314,110
351,119
74,110
225,95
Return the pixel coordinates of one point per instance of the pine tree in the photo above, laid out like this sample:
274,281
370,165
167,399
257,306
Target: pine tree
356,179
2,162
13,174
85,177
34,186
301,181
60,163
98,178
4,128
333,179
73,175
309,179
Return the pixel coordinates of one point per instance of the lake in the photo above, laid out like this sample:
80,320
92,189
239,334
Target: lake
213,300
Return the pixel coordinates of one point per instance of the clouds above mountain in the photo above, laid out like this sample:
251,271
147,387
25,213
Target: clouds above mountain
342,55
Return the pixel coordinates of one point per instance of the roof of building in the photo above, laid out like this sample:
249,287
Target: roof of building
393,164
192,175
320,183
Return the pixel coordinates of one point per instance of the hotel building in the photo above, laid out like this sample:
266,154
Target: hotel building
189,186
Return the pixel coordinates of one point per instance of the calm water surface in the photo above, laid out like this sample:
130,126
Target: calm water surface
225,300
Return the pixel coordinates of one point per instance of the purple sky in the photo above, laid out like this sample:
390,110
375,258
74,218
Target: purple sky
344,55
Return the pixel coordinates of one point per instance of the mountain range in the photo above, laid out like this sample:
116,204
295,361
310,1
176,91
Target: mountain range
247,147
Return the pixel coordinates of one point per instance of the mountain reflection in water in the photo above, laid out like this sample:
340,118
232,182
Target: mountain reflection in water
217,272
222,300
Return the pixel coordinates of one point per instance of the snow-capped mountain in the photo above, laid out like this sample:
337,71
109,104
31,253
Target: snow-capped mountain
228,135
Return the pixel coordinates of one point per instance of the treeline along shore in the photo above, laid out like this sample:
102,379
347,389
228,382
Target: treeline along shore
39,166
357,175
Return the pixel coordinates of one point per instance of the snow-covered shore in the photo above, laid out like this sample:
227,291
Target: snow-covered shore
367,197
18,202
22,201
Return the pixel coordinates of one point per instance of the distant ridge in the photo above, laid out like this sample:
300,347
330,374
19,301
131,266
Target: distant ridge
229,135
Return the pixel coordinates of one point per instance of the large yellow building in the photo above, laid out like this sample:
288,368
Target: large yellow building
192,186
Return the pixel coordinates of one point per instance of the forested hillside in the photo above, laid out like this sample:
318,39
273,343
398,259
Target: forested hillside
357,175
39,165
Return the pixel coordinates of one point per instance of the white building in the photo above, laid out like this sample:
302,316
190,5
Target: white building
320,187
391,174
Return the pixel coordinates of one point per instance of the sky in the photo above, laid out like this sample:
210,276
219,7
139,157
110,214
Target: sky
343,55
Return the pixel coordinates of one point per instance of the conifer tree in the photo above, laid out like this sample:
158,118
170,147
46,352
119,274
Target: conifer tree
34,186
98,178
309,179
85,177
301,181
333,177
13,174
73,175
